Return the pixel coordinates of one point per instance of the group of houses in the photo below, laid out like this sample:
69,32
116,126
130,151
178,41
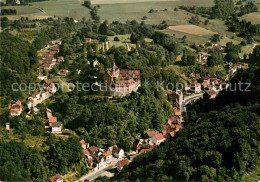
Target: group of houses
97,157
116,82
50,58
210,84
37,97
53,124
172,126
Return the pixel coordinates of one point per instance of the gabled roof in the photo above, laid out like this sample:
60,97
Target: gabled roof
116,150
56,124
211,92
82,142
55,178
124,162
93,149
18,102
107,153
52,119
86,152
123,83
159,136
151,133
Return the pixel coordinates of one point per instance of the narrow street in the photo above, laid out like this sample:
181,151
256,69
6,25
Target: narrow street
95,174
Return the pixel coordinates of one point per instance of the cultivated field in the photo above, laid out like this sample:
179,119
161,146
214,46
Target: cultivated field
191,29
113,10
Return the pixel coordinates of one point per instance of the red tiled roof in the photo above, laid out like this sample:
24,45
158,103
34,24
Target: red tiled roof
176,111
130,73
107,153
15,108
82,141
211,92
124,162
159,136
52,119
173,120
93,149
18,102
55,178
125,82
151,133
86,152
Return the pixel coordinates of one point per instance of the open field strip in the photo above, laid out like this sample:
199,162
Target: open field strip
254,18
191,29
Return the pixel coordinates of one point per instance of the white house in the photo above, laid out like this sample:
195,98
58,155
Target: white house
56,127
158,139
41,76
203,56
107,155
30,102
195,87
116,151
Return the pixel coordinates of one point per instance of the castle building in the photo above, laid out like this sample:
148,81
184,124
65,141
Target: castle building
119,82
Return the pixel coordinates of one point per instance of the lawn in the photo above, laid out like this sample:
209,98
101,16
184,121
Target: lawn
254,18
123,40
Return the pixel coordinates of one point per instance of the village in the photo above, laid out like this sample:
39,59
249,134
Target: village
117,82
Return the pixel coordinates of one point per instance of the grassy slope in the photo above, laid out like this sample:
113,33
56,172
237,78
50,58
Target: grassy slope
253,17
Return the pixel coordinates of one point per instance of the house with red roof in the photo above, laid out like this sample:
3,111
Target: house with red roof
52,120
16,108
84,144
212,94
120,164
116,151
56,178
195,87
158,139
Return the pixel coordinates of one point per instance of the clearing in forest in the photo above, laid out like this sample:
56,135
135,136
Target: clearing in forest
191,29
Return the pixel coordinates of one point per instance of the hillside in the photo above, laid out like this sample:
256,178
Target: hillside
220,142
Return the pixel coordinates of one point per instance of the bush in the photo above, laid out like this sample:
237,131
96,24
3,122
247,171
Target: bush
243,43
116,39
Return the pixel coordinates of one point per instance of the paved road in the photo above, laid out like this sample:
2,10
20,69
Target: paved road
93,175
186,101
192,97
